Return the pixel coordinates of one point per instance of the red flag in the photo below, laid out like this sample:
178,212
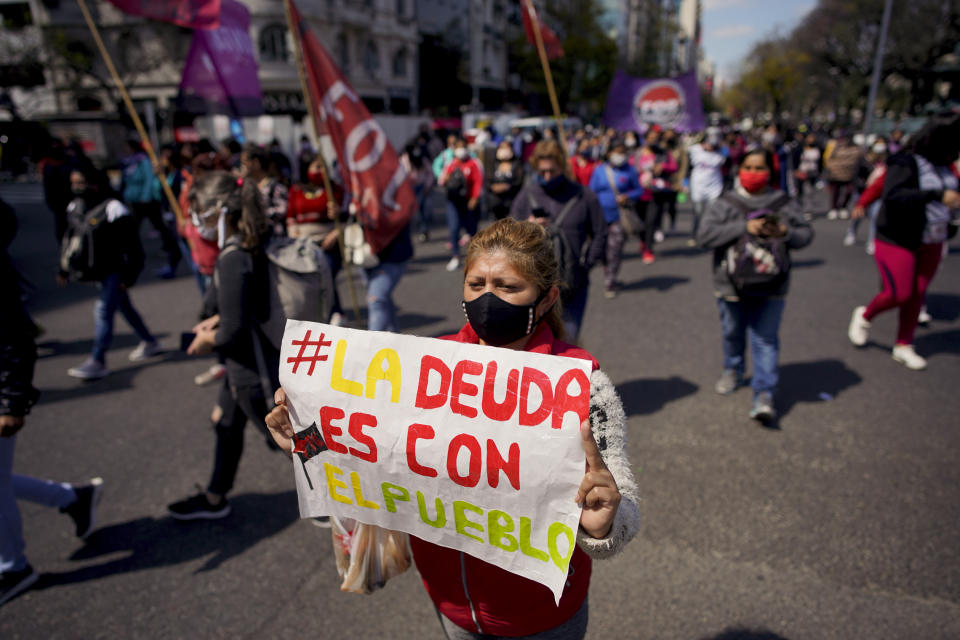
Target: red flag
551,43
370,166
195,14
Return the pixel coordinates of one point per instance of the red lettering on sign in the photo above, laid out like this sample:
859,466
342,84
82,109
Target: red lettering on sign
563,402
500,411
357,422
496,464
460,387
327,416
419,432
540,379
424,400
465,441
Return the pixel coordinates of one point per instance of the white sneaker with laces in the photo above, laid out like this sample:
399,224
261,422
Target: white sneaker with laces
832,214
849,239
924,318
89,369
658,236
905,355
859,328
453,265
145,350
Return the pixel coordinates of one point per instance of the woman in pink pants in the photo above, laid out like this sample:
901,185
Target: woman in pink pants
920,197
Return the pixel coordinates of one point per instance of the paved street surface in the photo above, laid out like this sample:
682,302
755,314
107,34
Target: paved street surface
842,523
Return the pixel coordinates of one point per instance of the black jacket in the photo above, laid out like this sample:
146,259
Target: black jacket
18,353
903,216
240,294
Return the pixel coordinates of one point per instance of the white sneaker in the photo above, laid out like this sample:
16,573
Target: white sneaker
844,214
658,236
336,319
89,369
924,318
859,327
145,350
905,355
871,248
453,265
832,214
849,239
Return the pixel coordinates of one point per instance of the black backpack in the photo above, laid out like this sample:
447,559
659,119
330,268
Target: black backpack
85,243
570,260
456,185
757,266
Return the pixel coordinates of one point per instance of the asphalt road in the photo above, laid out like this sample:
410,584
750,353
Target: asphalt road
841,523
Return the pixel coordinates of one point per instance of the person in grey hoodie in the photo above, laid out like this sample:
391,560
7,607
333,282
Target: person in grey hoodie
756,212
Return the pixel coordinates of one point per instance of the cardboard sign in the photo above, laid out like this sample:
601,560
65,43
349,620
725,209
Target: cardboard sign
470,447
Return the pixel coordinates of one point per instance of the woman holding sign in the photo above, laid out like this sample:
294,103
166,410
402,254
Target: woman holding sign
511,300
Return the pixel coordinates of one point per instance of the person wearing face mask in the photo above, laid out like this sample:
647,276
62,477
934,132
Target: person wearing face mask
617,187
706,178
582,164
462,179
921,197
511,293
235,305
755,215
505,181
118,259
574,217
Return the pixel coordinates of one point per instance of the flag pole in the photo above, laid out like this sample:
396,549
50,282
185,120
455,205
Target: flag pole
144,138
535,23
327,186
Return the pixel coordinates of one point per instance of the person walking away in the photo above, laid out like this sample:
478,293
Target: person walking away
920,197
706,179
102,245
842,166
236,303
417,165
505,181
142,193
462,179
752,232
582,164
576,223
18,354
875,159
808,172
617,188
511,275
258,166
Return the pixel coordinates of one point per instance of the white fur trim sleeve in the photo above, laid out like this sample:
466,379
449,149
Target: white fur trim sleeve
609,424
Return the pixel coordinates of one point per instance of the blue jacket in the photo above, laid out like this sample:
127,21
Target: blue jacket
627,183
139,182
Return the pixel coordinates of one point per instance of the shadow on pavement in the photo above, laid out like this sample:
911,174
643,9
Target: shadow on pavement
740,633
648,395
120,346
935,343
806,264
943,306
147,543
660,283
805,381
680,251
118,380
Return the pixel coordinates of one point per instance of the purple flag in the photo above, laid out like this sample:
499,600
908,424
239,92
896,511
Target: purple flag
635,104
220,75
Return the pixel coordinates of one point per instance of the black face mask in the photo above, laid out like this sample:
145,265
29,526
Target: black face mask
498,322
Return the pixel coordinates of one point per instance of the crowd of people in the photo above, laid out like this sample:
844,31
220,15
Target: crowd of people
559,203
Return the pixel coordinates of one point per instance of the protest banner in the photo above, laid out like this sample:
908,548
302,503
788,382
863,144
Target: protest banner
470,447
635,104
220,74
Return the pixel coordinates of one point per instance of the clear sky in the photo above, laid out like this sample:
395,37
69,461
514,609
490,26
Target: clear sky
731,27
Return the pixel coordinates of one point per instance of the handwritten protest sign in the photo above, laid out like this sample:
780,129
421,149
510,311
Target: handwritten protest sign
469,447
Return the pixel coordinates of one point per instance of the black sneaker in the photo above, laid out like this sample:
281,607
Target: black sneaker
13,583
199,507
83,511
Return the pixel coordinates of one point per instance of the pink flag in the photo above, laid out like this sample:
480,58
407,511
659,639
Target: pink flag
370,166
195,14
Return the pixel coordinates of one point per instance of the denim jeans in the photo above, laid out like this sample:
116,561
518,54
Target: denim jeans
381,280
113,296
51,494
760,318
460,217
423,211
573,310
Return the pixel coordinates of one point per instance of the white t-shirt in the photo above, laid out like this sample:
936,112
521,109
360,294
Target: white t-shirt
706,179
938,214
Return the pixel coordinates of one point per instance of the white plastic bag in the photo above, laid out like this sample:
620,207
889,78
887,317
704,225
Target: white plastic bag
368,555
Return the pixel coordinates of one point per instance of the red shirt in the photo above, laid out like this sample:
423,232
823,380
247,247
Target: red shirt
472,173
582,169
504,603
305,208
